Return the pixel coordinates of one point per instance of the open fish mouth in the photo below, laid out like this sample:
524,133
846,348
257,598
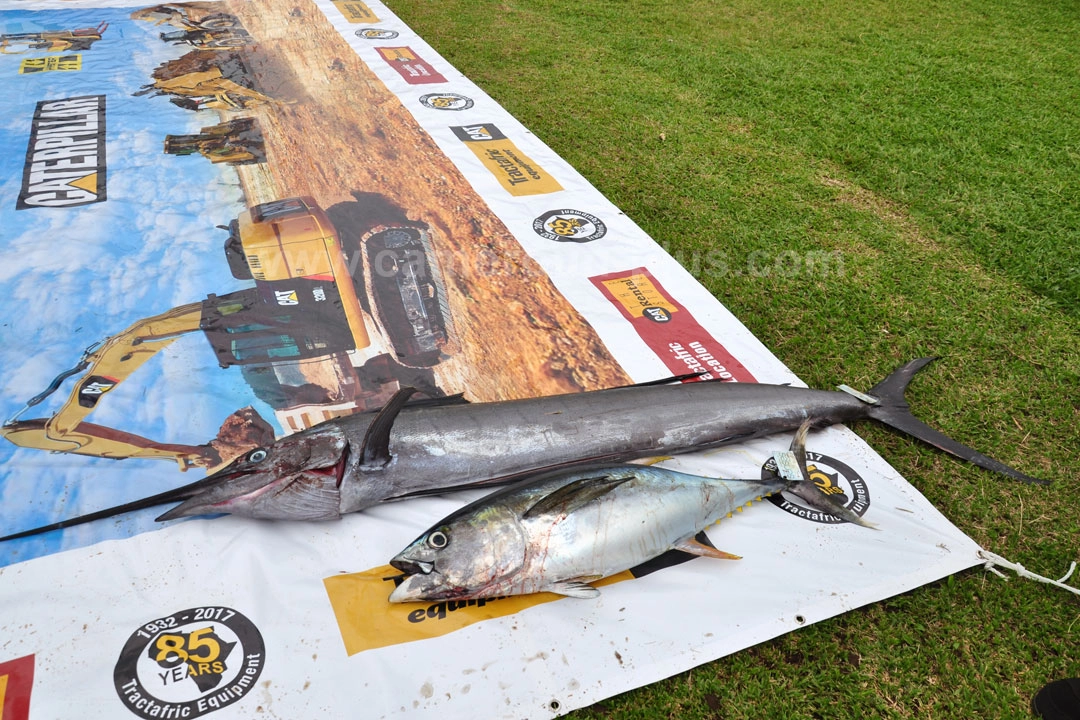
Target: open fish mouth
412,567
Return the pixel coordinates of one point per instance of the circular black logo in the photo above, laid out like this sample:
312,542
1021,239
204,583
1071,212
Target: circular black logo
446,101
569,226
834,478
376,34
189,663
656,314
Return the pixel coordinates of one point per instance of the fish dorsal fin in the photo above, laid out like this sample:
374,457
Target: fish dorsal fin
375,453
692,546
455,399
573,588
576,494
667,381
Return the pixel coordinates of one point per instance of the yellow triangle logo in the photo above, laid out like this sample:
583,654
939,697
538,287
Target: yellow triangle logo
3,693
89,184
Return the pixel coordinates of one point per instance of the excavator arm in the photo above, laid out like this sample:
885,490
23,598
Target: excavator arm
107,364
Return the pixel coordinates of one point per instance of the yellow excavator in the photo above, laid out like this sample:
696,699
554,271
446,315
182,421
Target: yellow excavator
107,364
304,308
242,330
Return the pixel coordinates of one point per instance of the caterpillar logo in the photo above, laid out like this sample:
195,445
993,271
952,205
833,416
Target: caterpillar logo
286,297
65,160
91,391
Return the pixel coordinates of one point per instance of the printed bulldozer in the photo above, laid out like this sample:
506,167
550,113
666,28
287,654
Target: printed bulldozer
206,79
198,24
51,41
236,142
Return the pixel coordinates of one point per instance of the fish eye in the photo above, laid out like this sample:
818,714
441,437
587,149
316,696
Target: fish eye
257,455
438,540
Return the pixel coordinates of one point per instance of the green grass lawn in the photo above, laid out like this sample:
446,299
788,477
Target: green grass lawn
861,183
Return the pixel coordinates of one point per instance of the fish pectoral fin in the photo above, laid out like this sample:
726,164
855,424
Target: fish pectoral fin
576,494
574,588
694,547
651,461
375,452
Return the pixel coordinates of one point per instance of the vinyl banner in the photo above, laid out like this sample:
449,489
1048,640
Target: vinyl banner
226,222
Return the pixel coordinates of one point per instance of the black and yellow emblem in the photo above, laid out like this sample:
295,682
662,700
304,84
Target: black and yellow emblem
834,478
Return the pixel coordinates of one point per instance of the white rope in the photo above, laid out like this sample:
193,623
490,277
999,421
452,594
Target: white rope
993,562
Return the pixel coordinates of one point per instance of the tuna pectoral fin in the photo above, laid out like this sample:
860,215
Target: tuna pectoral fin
894,412
573,588
693,547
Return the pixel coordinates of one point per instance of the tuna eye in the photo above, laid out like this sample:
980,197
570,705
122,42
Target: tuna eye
257,455
438,540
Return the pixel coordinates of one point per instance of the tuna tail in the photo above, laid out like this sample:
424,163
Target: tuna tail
800,484
892,410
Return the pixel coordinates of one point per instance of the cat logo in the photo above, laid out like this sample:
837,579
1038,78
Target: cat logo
286,297
92,389
479,133
656,314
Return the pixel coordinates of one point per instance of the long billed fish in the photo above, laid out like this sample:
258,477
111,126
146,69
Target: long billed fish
562,530
403,450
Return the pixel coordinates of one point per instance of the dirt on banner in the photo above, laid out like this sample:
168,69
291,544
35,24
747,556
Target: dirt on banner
333,132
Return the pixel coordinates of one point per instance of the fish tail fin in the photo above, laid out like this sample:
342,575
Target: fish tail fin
893,410
816,498
800,484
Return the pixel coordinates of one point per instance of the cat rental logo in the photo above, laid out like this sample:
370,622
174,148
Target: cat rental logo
65,159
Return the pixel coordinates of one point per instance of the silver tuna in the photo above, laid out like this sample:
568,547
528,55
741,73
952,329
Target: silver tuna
560,531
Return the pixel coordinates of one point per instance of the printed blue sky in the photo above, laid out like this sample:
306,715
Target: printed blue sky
73,276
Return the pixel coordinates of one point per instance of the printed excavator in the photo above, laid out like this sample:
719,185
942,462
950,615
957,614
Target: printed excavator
304,308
